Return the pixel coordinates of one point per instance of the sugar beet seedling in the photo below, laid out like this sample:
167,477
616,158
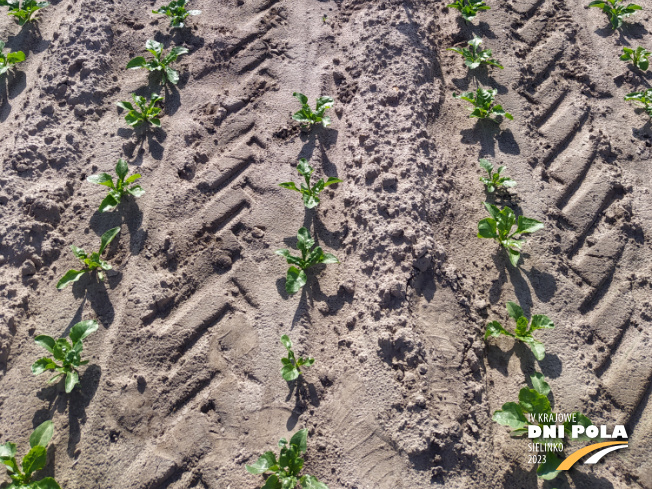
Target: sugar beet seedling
35,460
307,117
296,275
121,187
9,60
68,354
469,8
644,97
176,11
483,103
160,64
285,471
92,262
24,13
536,403
148,113
616,11
474,56
524,329
309,193
499,227
495,181
638,57
291,365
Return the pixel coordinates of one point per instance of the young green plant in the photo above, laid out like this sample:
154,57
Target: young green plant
35,459
483,103
296,275
469,8
120,188
638,57
176,11
69,355
148,112
7,61
291,365
92,262
24,13
535,402
499,227
307,117
474,56
309,193
616,10
644,98
160,64
524,329
284,472
495,181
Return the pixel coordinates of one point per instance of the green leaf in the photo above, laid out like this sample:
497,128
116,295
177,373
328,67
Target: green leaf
332,181
47,483
121,169
304,241
125,105
493,210
35,460
136,63
521,326
486,164
289,186
487,228
533,402
45,341
328,258
82,329
136,191
527,225
72,379
310,482
513,256
514,310
310,201
290,373
541,321
266,461
155,122
42,435
70,277
287,343
295,279
539,383
43,364
494,328
172,75
301,97
17,57
107,237
510,415
299,439
156,47
548,469
7,451
273,482
108,203
101,179
538,349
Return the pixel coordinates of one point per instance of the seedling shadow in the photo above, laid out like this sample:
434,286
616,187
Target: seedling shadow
29,40
644,132
90,288
481,29
304,393
12,84
629,30
76,403
543,283
483,132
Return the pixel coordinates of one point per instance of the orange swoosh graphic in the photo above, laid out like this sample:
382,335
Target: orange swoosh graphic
571,459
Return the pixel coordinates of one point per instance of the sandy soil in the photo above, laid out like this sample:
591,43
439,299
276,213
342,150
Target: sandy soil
184,387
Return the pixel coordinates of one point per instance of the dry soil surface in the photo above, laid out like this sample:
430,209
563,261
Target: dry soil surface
183,388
